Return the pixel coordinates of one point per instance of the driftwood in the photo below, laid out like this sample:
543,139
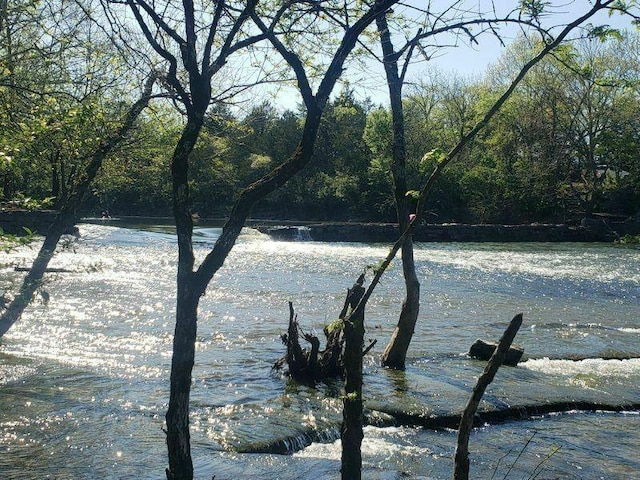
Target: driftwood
313,365
46,270
483,350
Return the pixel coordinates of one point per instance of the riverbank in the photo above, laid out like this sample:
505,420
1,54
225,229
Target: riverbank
595,230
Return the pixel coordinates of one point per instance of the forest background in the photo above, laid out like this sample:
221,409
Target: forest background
565,146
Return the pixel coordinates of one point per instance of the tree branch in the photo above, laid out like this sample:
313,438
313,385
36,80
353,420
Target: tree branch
162,25
426,189
461,469
227,48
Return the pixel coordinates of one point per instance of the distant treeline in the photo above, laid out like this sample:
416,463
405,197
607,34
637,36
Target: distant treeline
566,145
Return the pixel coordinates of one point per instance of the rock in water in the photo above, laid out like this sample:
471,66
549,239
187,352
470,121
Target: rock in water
483,350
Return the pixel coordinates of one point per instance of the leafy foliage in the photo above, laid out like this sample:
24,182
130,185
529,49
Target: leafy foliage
564,146
10,241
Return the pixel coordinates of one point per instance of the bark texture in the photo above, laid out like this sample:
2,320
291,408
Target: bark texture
187,299
177,417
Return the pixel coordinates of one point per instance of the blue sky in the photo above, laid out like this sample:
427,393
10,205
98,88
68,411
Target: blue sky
462,59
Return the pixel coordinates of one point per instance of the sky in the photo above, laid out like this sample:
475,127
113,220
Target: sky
460,60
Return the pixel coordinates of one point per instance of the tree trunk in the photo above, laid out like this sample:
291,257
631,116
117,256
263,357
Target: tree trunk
55,178
461,465
177,417
395,354
351,432
188,295
193,284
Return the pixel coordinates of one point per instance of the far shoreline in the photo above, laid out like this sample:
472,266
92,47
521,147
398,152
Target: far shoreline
592,230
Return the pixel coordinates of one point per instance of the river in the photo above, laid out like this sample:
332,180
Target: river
84,375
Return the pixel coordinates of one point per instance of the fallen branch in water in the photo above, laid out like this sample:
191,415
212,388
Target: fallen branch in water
46,270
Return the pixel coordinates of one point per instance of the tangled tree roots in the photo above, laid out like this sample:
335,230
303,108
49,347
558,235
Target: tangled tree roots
312,365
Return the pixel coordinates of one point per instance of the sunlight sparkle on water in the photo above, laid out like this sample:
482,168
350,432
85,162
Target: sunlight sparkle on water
100,351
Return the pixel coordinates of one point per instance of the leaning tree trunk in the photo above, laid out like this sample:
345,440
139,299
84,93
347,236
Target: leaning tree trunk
351,431
461,459
67,215
395,354
33,279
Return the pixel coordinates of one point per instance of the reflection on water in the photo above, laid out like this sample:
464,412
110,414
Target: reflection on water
84,377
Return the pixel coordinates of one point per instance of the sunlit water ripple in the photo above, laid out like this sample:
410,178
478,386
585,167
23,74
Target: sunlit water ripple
84,376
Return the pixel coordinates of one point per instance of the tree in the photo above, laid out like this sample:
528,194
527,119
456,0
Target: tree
192,63
552,146
225,32
444,159
596,91
394,355
135,180
335,181
67,215
63,114
530,15
60,87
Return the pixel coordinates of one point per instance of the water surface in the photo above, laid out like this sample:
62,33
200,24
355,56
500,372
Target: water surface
84,376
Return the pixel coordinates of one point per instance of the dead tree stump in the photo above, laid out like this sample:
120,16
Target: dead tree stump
312,365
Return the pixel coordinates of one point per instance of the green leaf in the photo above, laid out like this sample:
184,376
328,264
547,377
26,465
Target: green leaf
436,155
604,32
351,397
335,325
413,194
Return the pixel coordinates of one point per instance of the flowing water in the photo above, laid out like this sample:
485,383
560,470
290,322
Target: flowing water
84,375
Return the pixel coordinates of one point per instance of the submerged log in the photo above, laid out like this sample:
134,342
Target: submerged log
483,350
46,270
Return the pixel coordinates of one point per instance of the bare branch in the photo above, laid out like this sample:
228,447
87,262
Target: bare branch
291,58
227,48
213,28
172,76
157,19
